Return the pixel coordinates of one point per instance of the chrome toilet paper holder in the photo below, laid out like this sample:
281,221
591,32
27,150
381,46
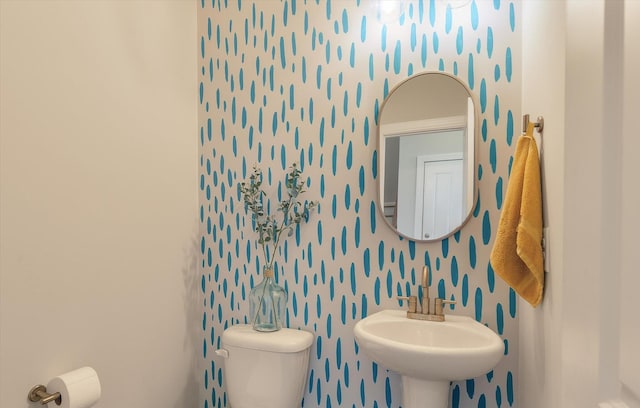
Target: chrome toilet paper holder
39,393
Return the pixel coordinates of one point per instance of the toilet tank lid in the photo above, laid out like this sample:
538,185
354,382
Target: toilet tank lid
281,341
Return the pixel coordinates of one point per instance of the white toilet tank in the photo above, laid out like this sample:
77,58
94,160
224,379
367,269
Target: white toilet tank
265,370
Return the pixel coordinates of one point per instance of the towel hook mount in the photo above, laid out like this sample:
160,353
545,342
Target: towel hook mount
538,125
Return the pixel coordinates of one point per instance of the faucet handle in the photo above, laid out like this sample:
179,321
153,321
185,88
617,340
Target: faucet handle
440,305
413,302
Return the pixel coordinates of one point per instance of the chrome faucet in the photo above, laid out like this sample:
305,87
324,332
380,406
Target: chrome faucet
431,311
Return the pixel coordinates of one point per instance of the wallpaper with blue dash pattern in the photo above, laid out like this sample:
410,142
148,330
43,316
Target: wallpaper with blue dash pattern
285,81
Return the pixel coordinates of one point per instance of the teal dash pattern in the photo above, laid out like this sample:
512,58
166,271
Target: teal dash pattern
304,81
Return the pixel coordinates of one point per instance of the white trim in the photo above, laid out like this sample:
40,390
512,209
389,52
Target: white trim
423,126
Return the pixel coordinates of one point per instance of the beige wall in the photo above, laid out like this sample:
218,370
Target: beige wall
99,198
576,348
630,256
543,93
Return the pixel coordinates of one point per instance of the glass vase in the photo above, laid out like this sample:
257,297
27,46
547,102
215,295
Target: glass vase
268,303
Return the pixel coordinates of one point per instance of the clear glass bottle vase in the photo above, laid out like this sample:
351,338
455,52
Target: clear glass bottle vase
267,303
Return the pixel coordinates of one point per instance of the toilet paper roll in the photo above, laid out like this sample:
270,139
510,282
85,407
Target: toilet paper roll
78,388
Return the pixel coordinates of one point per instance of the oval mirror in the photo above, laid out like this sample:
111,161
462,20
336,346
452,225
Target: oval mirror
426,144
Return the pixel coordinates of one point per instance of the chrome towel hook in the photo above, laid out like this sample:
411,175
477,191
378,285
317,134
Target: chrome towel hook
538,125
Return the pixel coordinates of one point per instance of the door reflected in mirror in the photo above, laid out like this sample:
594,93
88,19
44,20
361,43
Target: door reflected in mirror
427,164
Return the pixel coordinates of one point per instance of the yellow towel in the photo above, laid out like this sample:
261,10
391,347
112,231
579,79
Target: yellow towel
517,253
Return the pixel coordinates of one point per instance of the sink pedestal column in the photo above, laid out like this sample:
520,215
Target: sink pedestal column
418,393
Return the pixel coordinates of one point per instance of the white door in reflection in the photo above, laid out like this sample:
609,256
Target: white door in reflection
413,152
439,192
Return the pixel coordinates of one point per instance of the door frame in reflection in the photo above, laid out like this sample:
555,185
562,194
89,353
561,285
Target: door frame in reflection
392,210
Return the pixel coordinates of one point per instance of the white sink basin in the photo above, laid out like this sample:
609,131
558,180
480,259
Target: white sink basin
428,355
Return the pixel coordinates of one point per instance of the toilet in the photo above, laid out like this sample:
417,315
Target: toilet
265,370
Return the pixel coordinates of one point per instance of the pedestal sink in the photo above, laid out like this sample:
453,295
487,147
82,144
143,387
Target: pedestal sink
428,355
